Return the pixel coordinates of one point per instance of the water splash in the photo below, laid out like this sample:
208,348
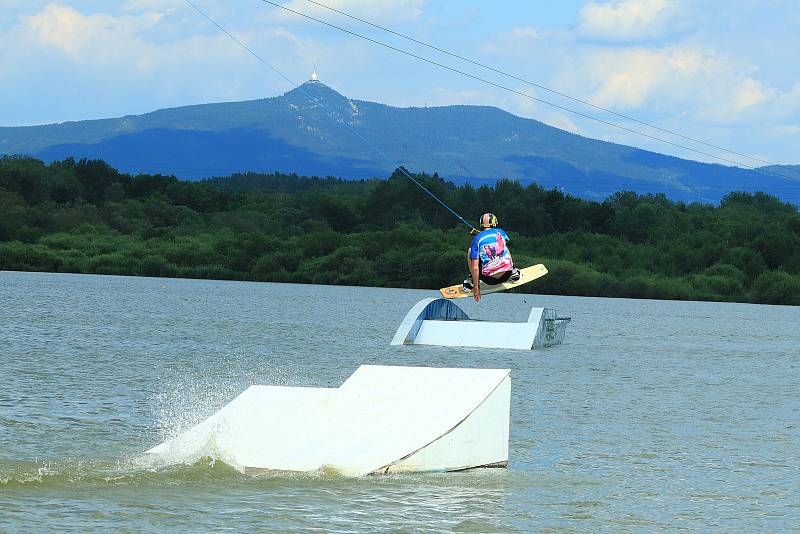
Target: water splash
187,399
188,395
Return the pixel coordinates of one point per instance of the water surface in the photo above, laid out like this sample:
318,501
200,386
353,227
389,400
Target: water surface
654,415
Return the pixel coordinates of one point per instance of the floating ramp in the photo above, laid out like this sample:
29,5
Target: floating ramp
383,419
442,322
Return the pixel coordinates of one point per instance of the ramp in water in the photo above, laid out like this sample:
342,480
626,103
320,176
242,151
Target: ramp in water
383,419
442,322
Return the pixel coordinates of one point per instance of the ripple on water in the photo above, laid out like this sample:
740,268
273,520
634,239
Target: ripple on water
652,416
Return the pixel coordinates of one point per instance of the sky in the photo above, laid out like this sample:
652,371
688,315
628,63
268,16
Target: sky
722,72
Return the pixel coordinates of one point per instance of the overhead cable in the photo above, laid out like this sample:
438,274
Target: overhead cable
520,93
540,86
315,100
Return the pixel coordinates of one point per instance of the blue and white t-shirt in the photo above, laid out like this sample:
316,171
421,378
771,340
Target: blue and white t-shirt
490,247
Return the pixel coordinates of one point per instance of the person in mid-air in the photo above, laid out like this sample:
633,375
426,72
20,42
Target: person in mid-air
488,257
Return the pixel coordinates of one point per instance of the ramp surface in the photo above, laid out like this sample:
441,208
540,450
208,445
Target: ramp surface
380,416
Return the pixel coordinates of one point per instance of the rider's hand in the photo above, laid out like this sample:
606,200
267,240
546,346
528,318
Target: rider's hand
476,293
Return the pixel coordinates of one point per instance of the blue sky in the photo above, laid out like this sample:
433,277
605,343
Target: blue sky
723,72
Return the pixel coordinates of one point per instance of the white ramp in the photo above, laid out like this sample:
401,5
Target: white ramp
382,419
441,322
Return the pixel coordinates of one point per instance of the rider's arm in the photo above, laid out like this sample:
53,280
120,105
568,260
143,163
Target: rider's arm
474,270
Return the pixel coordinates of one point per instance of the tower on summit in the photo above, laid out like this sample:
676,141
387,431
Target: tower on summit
314,77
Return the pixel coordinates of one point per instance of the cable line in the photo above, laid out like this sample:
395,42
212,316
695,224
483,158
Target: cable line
511,90
321,103
539,86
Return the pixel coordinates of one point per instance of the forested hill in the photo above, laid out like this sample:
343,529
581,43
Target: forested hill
320,135
85,217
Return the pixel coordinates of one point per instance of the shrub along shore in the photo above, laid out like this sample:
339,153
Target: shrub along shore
86,217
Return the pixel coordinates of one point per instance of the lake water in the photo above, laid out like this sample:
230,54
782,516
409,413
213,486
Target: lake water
653,415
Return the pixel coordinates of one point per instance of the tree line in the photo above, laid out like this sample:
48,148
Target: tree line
86,217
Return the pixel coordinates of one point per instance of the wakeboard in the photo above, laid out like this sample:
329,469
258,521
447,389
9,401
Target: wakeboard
528,274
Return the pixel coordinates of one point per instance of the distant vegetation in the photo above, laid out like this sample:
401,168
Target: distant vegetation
85,217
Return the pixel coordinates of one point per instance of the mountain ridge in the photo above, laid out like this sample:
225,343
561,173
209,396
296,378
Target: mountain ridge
315,136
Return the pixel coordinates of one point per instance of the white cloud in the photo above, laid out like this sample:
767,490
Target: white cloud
519,41
103,41
675,79
114,65
89,38
145,42
525,106
562,121
631,19
749,93
731,80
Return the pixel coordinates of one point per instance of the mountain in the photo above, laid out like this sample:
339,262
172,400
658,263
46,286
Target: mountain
314,130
